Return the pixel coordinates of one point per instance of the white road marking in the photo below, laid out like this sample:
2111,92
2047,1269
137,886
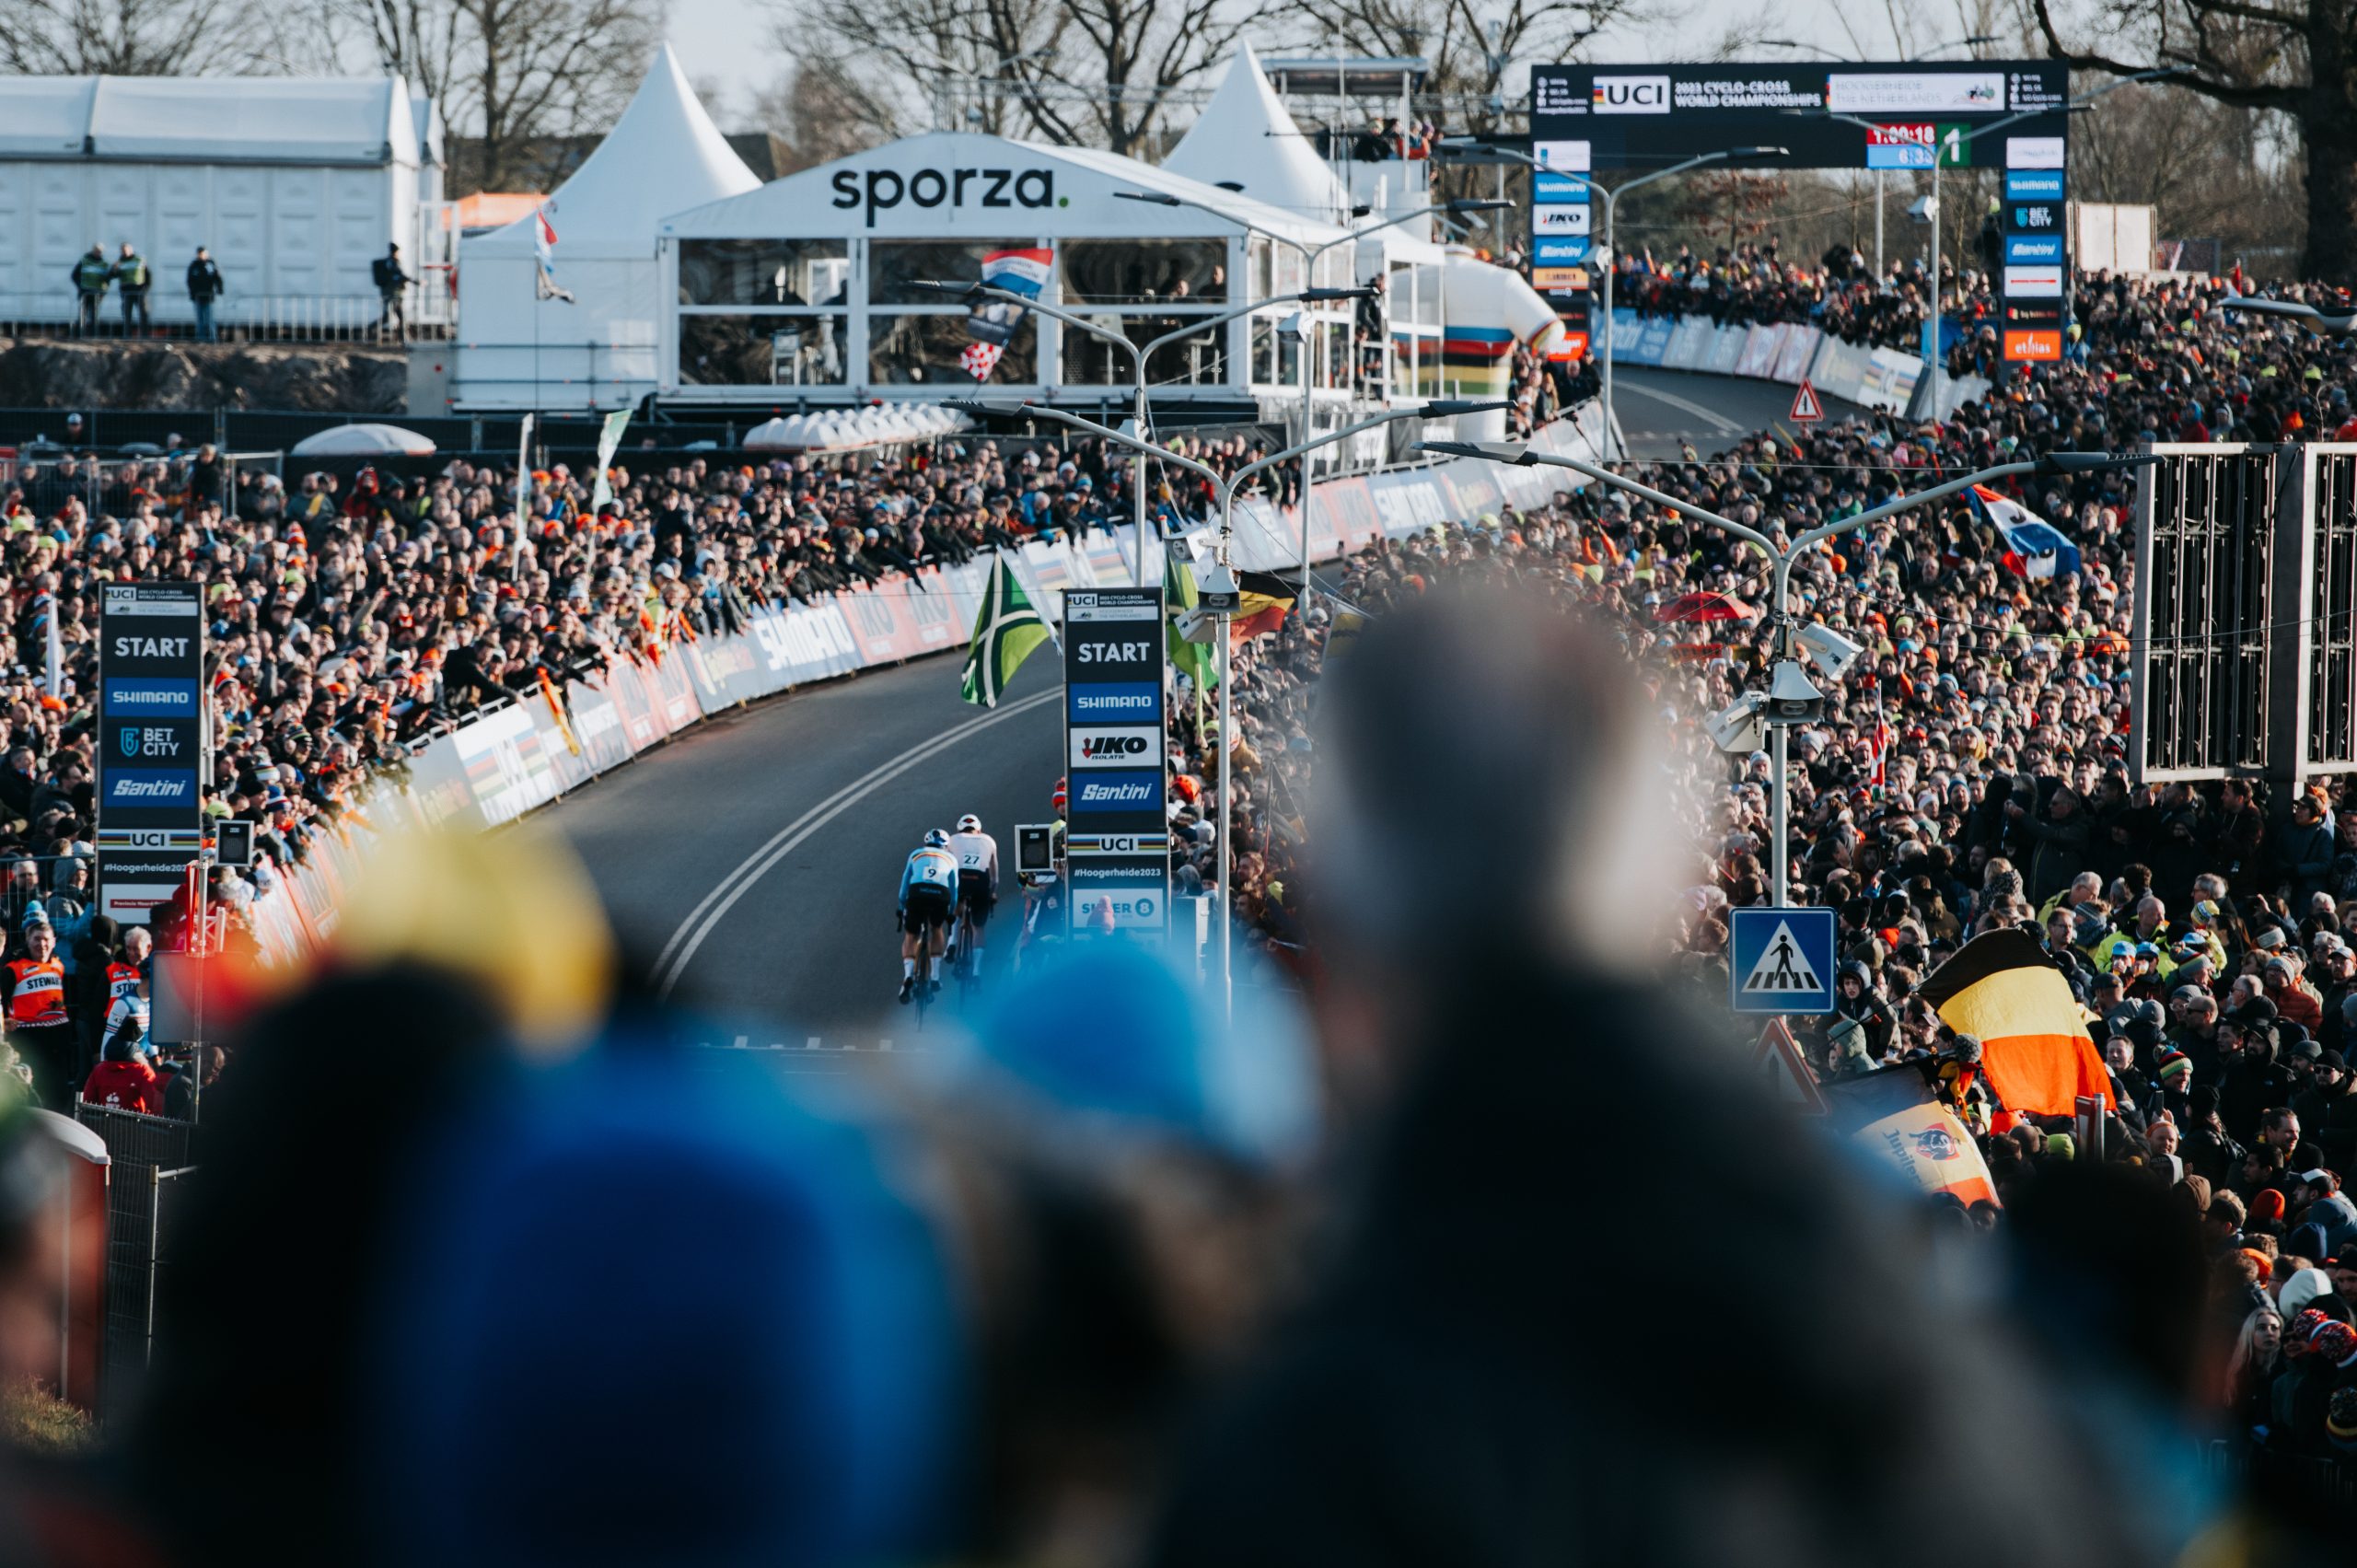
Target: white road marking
672,961
1717,420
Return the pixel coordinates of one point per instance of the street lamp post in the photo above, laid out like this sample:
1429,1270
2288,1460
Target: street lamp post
1139,357
2053,464
1309,255
1612,262
1971,41
1225,490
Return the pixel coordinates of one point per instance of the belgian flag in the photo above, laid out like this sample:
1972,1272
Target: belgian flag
1898,1115
1264,598
2035,1049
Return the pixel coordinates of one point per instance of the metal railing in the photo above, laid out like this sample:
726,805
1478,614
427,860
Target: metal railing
427,313
149,1159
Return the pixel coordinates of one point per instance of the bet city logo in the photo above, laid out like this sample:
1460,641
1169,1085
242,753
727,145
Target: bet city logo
149,740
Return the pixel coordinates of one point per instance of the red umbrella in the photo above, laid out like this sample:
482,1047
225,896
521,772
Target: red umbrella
1699,608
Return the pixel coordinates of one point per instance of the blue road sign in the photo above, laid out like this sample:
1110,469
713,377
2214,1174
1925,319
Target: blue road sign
1781,960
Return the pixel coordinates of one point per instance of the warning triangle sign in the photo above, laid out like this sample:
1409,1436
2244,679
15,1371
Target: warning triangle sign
1779,1062
1807,410
1781,967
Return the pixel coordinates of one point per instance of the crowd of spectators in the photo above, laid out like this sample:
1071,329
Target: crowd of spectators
1970,773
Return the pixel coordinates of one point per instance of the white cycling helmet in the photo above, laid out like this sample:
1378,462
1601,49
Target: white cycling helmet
969,823
935,838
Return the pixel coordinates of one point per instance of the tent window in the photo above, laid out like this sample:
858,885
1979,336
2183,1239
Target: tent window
1145,271
923,350
1199,359
763,351
896,266
790,272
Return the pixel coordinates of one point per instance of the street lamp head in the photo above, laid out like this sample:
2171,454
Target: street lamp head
1514,452
1157,197
934,285
2059,465
1761,152
1444,408
1459,208
1324,295
980,405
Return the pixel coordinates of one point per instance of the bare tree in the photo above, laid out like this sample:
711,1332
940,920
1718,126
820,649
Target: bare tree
2298,57
516,79
821,115
1094,73
121,38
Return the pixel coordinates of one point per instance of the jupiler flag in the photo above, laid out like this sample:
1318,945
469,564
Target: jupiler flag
1005,631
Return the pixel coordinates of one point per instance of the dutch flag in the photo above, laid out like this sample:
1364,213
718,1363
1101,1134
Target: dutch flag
544,256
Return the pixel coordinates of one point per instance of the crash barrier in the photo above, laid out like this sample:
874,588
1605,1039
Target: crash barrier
521,754
148,1159
1790,353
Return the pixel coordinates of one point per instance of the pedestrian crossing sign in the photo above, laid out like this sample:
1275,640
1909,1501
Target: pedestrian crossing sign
1781,960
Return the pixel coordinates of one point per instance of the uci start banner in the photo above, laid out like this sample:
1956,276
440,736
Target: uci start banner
151,743
1117,845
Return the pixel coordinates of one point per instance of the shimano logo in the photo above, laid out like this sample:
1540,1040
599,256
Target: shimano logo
1116,700
151,696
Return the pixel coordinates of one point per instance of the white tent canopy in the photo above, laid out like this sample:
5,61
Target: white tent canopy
1246,136
1080,196
367,121
365,440
517,350
663,156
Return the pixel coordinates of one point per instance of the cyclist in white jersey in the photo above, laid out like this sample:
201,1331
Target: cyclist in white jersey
928,905
977,855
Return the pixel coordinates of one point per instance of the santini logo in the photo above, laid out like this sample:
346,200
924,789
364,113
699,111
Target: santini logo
1630,94
150,786
882,190
1116,792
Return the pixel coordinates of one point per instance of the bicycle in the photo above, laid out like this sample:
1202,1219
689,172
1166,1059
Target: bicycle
968,970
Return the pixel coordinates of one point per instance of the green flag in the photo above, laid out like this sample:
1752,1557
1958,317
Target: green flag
1005,634
1198,661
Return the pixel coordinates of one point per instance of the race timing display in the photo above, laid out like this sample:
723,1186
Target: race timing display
1588,121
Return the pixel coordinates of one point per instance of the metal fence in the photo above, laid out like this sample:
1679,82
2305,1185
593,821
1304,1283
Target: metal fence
152,1156
427,313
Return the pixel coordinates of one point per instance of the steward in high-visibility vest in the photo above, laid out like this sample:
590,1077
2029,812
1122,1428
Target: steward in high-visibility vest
38,1025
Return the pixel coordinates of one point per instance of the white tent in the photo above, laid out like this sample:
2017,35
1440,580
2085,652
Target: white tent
1245,136
517,351
297,184
364,440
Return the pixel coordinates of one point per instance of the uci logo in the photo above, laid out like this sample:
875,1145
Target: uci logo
1630,94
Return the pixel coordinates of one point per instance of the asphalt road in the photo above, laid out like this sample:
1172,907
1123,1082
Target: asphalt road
1660,408
752,862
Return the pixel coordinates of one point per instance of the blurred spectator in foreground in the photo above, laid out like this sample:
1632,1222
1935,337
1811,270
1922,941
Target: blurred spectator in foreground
1464,1389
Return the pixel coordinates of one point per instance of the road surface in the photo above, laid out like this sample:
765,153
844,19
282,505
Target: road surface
752,864
1660,408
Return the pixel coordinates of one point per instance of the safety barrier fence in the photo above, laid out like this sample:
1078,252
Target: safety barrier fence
148,1159
502,762
427,312
1790,353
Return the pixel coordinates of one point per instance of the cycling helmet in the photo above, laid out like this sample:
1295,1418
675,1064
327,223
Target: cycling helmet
935,838
969,823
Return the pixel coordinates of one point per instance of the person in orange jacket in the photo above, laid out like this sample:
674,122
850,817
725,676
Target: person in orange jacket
124,1080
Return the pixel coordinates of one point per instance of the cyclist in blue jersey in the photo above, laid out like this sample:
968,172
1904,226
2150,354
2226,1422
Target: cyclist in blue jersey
928,903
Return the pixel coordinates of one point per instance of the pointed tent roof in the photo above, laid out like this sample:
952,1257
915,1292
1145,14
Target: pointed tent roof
1246,135
663,156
